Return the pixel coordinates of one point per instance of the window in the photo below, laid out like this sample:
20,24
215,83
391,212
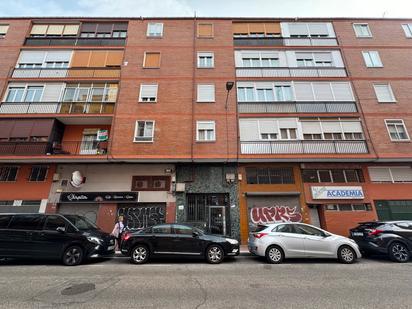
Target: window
183,230
246,94
4,221
154,30
103,30
408,30
308,30
162,229
90,93
397,130
288,133
15,94
205,60
308,230
53,30
3,30
269,136
38,173
362,30
8,173
205,30
372,59
348,207
33,94
390,174
283,93
314,59
334,175
284,228
54,222
151,183
148,93
269,175
31,203
260,59
144,131
256,29
206,93
384,93
205,131
151,60
264,93
26,222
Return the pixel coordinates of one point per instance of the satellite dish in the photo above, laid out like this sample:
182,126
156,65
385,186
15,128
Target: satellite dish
77,179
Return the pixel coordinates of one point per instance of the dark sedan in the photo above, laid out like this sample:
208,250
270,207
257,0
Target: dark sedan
391,238
177,240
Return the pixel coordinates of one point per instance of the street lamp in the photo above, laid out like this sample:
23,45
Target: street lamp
229,86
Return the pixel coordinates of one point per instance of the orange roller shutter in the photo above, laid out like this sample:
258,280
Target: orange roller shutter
55,30
98,58
256,28
272,28
152,60
241,28
80,58
114,58
39,30
205,30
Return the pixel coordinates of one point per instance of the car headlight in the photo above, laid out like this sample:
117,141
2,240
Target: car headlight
232,241
95,240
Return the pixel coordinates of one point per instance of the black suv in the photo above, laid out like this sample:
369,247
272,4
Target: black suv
71,238
392,238
177,240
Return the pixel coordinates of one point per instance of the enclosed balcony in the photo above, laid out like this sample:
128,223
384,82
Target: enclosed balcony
106,73
297,107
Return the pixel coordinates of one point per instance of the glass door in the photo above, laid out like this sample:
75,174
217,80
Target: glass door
217,220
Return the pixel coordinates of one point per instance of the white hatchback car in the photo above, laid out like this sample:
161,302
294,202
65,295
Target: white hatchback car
298,240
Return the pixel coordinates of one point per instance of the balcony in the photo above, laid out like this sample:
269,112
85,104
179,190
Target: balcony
310,42
278,41
291,72
64,41
70,148
111,73
304,147
255,41
296,107
57,108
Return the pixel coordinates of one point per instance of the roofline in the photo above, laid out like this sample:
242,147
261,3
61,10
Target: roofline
206,18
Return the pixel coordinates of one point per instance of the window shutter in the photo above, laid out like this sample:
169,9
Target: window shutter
120,27
98,58
52,92
205,30
318,29
331,127
58,55
203,125
311,127
342,91
288,123
80,58
152,60
248,129
402,174
337,59
42,127
55,30
71,30
240,28
104,28
380,174
268,126
114,58
323,92
303,92
38,30
238,59
298,29
31,56
88,27
384,93
352,126
22,128
4,29
323,56
148,91
205,93
272,28
112,93
300,55
257,28
6,127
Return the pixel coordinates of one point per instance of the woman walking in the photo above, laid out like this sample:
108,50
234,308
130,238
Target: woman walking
117,231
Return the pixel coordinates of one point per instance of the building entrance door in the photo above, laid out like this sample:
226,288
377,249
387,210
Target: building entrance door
217,220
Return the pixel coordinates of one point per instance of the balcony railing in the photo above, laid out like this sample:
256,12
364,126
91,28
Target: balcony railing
297,107
248,41
304,147
310,42
72,148
278,41
57,108
65,41
66,73
291,72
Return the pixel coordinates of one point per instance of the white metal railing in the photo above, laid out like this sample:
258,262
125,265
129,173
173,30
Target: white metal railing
310,42
297,107
56,107
291,72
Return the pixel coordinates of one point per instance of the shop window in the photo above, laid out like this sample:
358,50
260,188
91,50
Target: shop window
348,207
269,175
151,183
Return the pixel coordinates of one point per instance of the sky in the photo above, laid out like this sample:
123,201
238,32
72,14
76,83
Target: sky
208,8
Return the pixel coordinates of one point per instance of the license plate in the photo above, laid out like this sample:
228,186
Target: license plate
110,248
357,234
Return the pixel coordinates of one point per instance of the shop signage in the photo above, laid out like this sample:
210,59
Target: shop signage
337,193
98,197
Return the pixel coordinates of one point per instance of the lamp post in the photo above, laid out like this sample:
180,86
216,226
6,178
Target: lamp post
229,86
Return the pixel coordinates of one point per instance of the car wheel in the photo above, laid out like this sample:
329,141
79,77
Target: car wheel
214,254
274,255
72,256
140,254
346,255
398,252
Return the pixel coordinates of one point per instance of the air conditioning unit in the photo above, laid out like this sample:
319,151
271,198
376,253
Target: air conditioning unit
180,187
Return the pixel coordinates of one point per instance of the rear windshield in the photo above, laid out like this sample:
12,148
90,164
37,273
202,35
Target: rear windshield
81,222
260,228
369,225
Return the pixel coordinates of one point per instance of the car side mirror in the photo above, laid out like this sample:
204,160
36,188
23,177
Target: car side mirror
61,229
325,235
195,234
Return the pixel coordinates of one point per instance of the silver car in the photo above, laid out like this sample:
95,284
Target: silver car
298,240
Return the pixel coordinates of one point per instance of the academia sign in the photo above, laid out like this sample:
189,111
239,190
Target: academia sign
337,193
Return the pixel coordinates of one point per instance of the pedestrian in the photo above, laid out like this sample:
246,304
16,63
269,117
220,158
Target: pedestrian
117,231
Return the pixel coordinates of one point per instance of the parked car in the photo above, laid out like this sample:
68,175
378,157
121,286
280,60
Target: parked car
390,238
177,240
281,241
70,238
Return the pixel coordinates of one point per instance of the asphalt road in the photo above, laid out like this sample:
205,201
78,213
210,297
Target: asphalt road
244,282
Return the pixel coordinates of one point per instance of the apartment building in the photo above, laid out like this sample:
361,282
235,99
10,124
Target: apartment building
223,123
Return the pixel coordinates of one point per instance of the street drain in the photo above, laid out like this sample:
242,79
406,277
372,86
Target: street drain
78,289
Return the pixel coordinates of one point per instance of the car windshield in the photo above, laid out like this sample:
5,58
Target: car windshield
81,223
195,229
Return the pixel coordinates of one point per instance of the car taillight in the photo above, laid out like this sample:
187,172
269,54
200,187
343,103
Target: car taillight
259,235
375,232
126,236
